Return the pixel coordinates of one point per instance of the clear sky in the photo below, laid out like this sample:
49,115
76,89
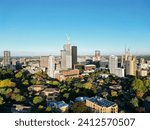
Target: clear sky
39,27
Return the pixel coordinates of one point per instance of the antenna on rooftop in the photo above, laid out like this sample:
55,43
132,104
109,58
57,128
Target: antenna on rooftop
68,38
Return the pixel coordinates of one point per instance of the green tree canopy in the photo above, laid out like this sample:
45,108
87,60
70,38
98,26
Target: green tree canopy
134,102
1,100
147,84
66,95
25,83
79,107
87,85
7,83
17,97
37,100
19,75
138,85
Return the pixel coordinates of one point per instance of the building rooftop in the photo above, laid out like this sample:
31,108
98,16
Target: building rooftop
91,65
101,101
62,104
81,99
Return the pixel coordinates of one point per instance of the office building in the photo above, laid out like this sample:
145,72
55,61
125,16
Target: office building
14,62
7,58
97,56
130,65
51,66
44,61
66,56
120,72
113,66
74,56
22,61
113,63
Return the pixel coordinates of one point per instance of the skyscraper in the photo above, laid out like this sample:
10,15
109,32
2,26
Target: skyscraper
113,63
113,66
7,58
44,61
74,56
97,56
66,56
51,66
131,66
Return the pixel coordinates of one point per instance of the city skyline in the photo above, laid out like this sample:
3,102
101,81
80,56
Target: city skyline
39,27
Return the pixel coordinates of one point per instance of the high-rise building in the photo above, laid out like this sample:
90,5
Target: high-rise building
66,56
51,66
97,56
125,57
44,61
63,59
14,62
68,49
113,63
7,58
74,56
131,65
113,66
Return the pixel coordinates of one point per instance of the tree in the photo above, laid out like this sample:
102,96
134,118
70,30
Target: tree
25,83
37,100
1,100
79,107
134,102
48,109
138,87
66,95
87,85
105,94
17,97
147,84
78,85
7,83
19,75
107,80
16,91
114,93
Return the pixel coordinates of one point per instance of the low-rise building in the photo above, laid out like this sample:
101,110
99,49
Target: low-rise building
103,76
89,67
51,93
143,72
115,87
81,99
67,74
60,106
101,105
18,108
37,88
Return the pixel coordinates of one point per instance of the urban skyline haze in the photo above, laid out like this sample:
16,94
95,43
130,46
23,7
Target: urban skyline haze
39,27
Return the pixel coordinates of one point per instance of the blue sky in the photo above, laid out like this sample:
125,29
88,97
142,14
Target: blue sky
39,27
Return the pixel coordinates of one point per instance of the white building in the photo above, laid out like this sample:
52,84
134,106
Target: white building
113,66
7,58
51,66
66,56
113,63
119,72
